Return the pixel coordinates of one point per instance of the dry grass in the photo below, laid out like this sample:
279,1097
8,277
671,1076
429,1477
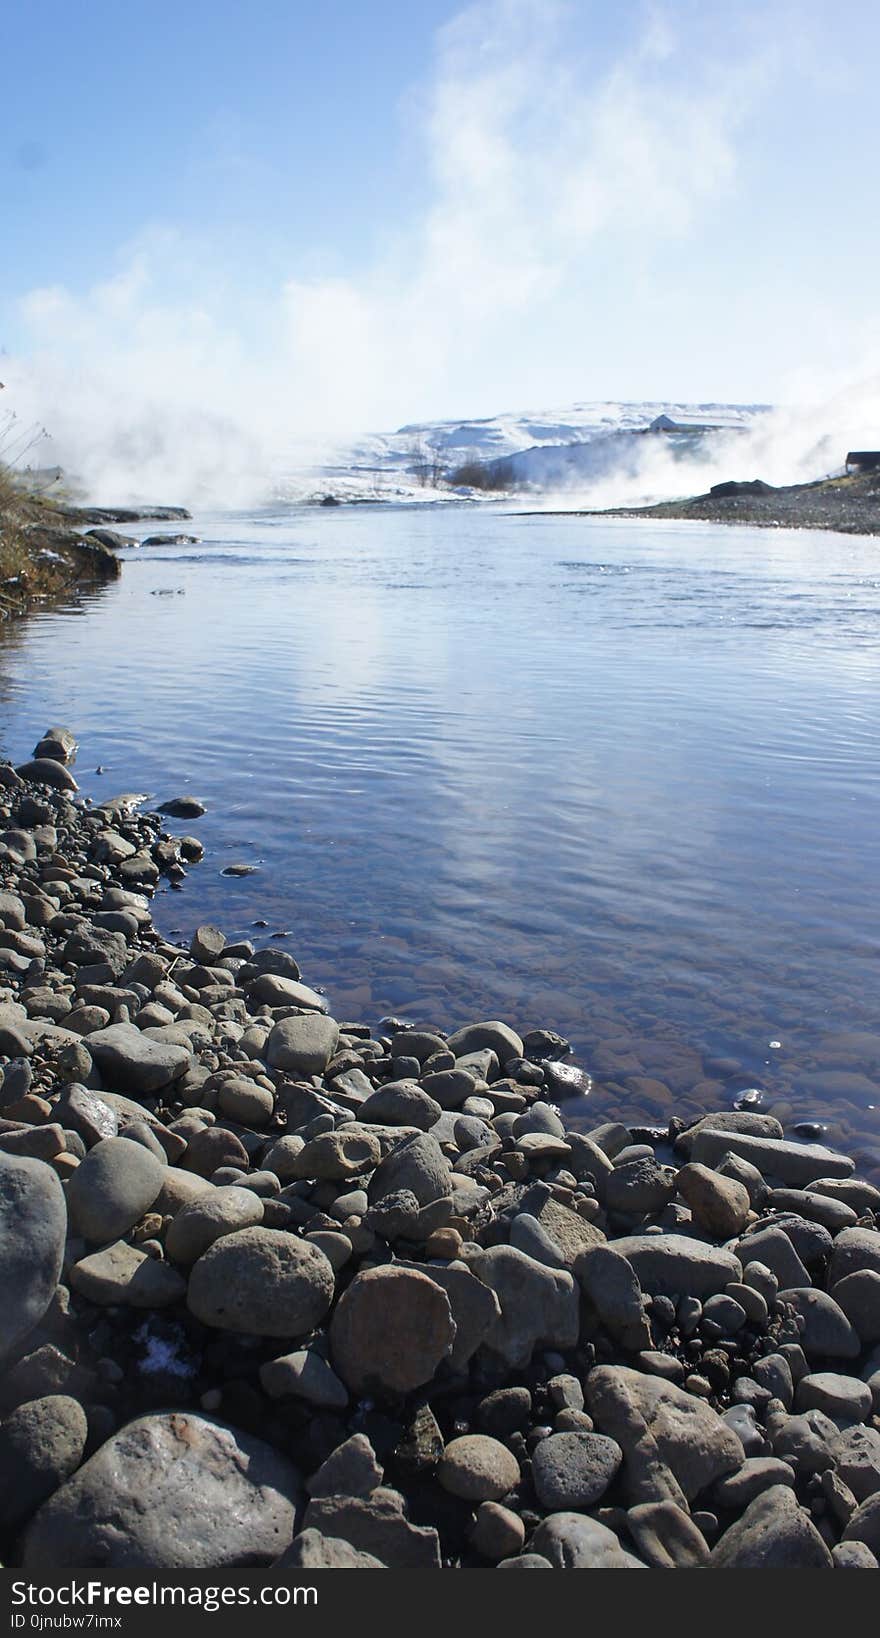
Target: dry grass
40,555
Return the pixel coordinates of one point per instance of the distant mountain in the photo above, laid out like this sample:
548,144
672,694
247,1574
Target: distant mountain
544,450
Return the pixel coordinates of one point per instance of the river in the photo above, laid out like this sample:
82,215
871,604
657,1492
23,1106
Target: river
617,779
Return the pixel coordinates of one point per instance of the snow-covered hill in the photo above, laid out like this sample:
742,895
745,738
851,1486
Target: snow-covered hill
537,452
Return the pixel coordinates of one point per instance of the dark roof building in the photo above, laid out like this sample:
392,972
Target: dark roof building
863,460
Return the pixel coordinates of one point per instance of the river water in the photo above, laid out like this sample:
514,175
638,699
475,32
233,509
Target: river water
618,779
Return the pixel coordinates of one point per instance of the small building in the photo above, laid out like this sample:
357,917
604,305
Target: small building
694,425
863,460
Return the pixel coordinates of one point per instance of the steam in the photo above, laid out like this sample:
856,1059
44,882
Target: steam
166,382
788,445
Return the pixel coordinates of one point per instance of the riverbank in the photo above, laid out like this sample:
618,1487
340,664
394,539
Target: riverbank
46,549
282,1288
846,505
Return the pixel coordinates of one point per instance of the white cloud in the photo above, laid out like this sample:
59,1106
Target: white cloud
538,164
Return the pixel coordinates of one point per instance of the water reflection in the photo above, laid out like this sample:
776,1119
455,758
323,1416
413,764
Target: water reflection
618,780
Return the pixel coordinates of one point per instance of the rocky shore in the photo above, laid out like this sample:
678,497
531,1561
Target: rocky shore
847,505
279,1290
46,548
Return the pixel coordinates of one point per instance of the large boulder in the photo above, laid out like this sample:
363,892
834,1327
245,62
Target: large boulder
855,1249
674,1444
796,1164
374,1524
573,1470
112,1188
611,1285
170,1491
260,1281
130,1062
671,1265
571,1541
826,1333
213,1214
416,1165
41,1444
46,770
774,1533
391,1330
492,1036
302,1046
33,1227
538,1304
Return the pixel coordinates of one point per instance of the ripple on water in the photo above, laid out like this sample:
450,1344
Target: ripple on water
619,780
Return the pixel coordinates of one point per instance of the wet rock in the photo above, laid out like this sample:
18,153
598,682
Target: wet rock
47,770
217,1499
183,807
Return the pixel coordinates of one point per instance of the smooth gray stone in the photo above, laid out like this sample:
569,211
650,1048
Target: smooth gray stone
33,1227
774,1533
170,1491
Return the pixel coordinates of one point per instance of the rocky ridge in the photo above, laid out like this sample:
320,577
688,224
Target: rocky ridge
330,1298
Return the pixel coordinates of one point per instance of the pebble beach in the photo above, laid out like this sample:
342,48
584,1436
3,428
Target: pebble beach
284,1289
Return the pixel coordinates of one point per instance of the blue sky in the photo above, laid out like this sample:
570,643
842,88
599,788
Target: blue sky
357,215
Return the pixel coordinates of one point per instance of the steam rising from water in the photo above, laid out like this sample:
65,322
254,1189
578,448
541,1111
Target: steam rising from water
783,446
